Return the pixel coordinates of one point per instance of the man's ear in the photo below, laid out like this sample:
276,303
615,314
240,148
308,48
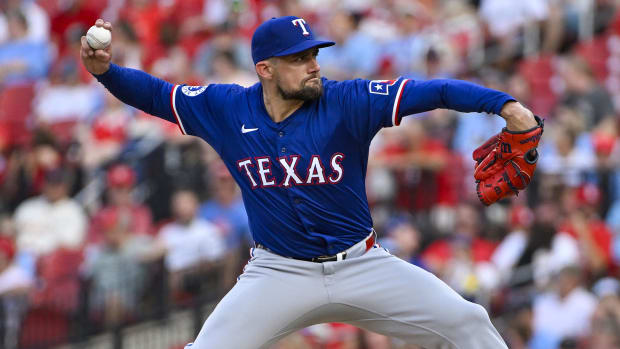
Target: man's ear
264,69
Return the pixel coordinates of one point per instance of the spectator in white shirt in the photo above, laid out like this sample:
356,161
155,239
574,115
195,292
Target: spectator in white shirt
52,220
564,312
192,244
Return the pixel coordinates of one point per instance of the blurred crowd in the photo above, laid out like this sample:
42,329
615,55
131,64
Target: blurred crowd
109,216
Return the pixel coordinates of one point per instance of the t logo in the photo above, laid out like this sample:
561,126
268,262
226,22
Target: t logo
301,23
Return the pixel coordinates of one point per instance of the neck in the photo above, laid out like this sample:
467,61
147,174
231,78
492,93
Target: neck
277,107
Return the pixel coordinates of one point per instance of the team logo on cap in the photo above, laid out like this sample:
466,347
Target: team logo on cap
301,22
193,90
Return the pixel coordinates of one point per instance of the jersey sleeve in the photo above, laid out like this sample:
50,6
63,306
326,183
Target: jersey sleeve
139,90
370,105
423,95
200,110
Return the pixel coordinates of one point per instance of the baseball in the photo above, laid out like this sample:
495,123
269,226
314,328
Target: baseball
98,37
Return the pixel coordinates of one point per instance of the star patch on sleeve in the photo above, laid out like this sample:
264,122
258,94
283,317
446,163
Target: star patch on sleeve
380,87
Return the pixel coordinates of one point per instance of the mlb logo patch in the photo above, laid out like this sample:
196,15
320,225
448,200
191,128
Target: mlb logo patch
380,87
192,91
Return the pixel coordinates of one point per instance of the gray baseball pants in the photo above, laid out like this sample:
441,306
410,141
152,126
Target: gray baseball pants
375,290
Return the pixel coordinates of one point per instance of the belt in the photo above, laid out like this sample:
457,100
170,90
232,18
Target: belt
354,251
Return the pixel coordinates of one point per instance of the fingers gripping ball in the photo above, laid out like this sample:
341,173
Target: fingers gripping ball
98,37
506,162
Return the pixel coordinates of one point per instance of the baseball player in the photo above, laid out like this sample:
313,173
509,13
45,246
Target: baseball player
297,145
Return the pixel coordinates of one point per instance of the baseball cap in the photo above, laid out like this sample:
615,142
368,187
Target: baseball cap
283,36
121,176
588,194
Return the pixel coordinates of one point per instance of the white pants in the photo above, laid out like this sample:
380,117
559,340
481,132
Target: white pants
377,291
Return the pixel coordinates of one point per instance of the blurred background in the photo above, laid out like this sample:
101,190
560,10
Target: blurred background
117,232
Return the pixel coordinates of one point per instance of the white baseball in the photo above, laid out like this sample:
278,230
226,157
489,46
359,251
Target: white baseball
98,37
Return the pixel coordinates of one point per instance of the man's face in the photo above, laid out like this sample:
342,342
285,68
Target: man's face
55,191
298,76
184,206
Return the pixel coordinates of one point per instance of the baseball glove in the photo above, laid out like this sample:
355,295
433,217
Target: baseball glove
506,162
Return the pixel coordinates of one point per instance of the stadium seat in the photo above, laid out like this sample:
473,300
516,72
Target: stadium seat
596,52
538,72
15,110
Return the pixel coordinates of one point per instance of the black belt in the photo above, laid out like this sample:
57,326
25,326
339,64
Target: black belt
370,242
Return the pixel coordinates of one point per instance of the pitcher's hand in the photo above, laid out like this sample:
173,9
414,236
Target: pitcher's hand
97,61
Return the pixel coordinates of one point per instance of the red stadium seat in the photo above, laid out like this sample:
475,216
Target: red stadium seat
15,110
43,328
538,72
48,320
596,52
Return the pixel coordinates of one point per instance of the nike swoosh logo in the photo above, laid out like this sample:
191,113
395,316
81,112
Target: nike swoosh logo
246,130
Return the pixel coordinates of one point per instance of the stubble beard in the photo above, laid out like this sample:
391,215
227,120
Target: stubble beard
305,93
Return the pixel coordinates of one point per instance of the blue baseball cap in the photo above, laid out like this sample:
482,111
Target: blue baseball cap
283,36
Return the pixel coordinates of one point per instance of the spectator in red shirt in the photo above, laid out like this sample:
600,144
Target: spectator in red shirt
121,180
76,19
591,233
460,258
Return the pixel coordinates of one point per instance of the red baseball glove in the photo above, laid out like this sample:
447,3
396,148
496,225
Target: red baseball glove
506,162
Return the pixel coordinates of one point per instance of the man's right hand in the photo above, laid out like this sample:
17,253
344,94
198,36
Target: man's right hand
97,61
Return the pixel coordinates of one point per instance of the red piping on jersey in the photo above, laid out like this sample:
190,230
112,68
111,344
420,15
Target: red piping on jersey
174,112
397,118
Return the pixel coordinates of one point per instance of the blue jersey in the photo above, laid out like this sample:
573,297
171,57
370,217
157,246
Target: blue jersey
302,179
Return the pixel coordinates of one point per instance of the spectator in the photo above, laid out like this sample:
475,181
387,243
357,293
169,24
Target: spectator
585,226
26,168
192,244
408,49
606,317
226,39
583,92
105,139
52,220
178,162
120,180
36,17
21,59
65,84
175,66
508,256
534,250
75,17
15,285
460,258
519,329
506,18
564,311
605,144
404,241
225,209
565,158
226,71
355,54
128,51
148,19
419,166
116,271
